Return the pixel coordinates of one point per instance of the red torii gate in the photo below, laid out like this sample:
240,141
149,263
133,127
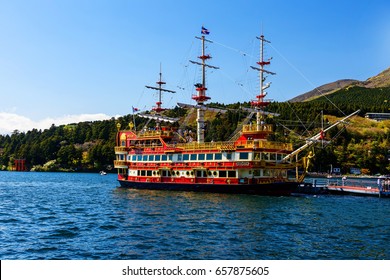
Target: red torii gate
20,165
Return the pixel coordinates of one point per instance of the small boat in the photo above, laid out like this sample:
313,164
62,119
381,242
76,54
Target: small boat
103,173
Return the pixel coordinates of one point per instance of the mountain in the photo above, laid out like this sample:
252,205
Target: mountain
380,80
324,89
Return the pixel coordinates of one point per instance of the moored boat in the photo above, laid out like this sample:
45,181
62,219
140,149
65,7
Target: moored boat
163,158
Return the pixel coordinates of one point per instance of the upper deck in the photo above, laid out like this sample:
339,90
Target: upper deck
207,146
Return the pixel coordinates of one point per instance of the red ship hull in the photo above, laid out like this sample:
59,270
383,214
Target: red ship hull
271,189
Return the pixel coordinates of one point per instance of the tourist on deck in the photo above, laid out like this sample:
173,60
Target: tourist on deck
379,183
386,184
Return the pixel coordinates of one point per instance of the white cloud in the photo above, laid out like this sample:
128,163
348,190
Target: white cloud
11,121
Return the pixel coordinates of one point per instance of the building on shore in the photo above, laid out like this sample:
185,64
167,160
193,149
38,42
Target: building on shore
378,116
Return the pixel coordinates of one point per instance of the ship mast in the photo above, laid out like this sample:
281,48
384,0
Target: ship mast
158,109
260,103
201,88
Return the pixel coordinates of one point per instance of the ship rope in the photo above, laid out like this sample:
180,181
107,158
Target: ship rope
306,79
190,112
336,136
236,134
187,87
146,125
306,127
291,65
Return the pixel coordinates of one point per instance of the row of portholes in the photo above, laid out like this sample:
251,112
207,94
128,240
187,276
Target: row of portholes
188,173
177,173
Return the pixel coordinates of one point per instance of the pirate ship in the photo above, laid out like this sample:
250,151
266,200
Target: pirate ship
249,163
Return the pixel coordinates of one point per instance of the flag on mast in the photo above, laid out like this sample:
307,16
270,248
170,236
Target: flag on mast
134,109
205,31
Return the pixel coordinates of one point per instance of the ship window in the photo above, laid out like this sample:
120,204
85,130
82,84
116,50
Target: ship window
139,157
179,157
143,172
266,173
123,143
121,157
222,173
201,173
232,174
151,157
144,158
209,156
218,156
164,157
157,157
266,156
279,156
149,173
186,157
257,156
170,157
201,157
229,156
244,155
134,158
256,172
193,156
273,156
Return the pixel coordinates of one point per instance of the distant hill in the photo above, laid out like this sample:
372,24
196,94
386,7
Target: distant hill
324,89
380,80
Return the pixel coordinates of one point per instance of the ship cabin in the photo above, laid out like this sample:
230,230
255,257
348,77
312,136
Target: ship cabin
157,156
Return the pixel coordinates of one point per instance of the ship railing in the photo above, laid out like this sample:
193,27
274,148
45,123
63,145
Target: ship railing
122,149
359,182
264,145
230,145
120,163
253,128
221,145
154,133
119,149
201,146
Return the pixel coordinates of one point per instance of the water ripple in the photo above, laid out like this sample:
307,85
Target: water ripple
85,216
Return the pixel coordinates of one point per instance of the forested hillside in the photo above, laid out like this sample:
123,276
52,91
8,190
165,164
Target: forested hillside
382,80
89,146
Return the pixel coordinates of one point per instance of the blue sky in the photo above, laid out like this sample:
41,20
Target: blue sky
74,60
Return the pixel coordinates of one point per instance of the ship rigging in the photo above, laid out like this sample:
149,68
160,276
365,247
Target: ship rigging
247,163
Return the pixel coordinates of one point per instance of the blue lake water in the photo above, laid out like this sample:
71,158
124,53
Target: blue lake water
86,216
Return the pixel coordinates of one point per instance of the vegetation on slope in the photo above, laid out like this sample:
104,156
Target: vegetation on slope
89,146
